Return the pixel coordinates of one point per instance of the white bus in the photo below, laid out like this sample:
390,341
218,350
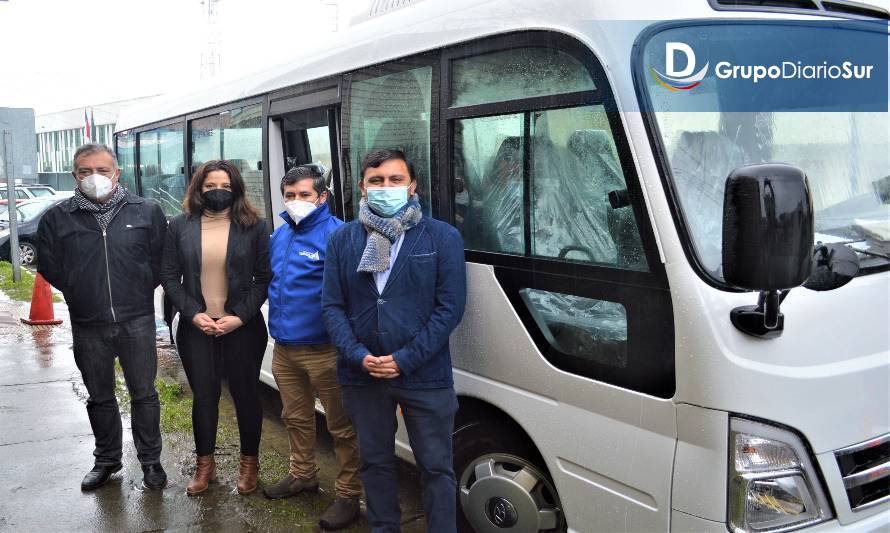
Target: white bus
607,379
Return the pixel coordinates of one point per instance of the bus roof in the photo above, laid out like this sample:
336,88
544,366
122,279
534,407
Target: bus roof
423,25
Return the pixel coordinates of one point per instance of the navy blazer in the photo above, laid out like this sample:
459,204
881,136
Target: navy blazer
421,304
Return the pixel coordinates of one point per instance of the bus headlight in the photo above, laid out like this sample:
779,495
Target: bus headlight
773,485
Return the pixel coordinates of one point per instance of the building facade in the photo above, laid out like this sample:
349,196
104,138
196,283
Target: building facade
21,158
59,135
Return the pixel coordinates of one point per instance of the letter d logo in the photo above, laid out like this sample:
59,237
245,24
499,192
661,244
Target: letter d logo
670,50
679,80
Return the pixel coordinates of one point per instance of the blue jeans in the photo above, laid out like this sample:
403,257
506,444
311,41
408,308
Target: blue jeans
429,419
133,342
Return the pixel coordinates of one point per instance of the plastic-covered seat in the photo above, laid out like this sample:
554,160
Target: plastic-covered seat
595,152
499,216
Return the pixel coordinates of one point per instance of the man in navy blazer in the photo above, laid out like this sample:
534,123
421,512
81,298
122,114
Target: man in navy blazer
394,290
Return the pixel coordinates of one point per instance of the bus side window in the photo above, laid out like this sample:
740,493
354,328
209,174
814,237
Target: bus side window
573,166
392,111
236,136
160,158
579,327
537,183
488,211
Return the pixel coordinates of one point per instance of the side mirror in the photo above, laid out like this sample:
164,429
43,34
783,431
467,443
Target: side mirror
767,240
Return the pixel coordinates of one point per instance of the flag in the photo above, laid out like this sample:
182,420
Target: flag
86,120
93,125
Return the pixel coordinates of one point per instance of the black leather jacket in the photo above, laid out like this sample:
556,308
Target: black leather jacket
106,277
247,268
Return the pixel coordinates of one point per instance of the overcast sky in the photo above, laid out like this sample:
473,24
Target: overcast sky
63,54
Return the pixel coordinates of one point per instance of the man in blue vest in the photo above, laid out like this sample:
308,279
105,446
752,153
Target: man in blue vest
394,290
304,361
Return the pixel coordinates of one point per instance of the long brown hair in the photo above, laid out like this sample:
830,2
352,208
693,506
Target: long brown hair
243,212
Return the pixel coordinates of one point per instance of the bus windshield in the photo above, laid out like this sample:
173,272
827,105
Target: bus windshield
845,154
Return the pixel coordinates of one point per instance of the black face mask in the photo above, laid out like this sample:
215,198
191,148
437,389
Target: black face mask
218,199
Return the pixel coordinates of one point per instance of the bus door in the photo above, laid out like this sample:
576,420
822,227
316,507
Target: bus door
301,136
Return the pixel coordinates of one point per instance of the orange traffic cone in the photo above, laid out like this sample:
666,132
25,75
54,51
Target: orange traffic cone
41,305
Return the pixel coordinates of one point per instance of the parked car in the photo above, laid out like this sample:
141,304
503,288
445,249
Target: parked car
39,190
20,195
28,214
26,192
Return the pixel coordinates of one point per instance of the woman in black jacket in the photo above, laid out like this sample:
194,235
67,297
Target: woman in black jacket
216,272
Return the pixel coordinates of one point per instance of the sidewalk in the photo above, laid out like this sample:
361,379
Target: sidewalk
46,447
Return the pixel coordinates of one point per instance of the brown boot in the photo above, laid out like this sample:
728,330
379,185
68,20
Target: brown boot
248,474
204,474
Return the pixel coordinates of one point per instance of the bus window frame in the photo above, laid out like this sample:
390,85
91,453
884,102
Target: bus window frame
425,59
218,110
602,95
643,294
306,96
137,143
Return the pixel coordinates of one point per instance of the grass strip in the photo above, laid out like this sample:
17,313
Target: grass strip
23,289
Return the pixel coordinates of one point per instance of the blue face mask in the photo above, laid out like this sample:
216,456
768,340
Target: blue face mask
386,201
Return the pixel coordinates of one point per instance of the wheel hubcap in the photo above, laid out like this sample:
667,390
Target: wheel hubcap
26,254
503,492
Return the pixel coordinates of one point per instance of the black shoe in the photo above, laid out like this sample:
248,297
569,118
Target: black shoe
99,476
154,476
343,512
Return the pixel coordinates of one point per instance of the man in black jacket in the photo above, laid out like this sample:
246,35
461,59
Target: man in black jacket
102,249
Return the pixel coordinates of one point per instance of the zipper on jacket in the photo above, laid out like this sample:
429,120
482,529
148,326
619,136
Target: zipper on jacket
107,267
108,274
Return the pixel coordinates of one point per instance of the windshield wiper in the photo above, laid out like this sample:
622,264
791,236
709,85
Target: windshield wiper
861,251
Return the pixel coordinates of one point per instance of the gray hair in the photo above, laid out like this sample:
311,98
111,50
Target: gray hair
93,148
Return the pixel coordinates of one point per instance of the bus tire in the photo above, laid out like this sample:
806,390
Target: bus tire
501,482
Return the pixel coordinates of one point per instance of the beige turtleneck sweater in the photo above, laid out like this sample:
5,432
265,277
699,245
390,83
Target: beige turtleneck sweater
214,280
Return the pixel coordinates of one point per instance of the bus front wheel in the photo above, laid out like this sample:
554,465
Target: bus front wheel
501,483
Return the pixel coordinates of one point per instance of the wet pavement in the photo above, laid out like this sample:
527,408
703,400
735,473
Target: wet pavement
46,447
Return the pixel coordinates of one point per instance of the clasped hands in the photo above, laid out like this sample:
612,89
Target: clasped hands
383,367
215,328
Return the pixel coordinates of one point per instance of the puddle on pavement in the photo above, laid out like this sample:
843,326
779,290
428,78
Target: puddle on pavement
124,505
221,506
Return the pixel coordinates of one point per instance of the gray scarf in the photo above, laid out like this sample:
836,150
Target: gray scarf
384,232
104,211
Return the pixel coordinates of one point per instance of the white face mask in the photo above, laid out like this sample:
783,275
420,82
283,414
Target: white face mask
299,209
96,187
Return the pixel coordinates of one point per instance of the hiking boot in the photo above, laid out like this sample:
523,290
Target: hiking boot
153,476
98,476
290,486
343,512
248,473
204,474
